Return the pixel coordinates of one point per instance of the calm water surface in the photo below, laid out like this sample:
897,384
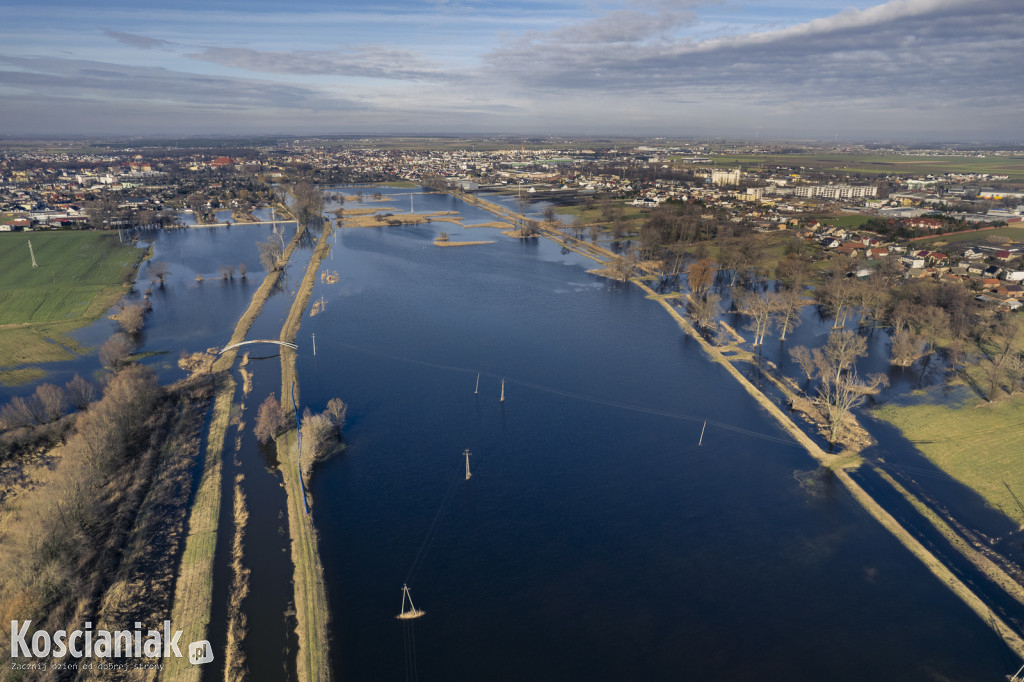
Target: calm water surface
595,539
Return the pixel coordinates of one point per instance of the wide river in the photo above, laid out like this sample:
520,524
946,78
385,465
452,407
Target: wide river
596,540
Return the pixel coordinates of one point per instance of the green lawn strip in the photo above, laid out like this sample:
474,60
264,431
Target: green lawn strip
977,443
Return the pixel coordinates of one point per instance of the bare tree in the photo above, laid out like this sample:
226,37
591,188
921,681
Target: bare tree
837,397
115,351
52,402
704,310
906,347
132,318
17,413
159,270
933,323
625,266
701,275
227,272
593,232
835,296
243,269
793,272
804,358
80,392
271,252
337,410
309,201
270,419
842,349
786,306
760,310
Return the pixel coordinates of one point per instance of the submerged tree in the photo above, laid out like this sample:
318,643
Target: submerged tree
702,274
270,419
759,309
838,396
159,271
704,310
786,306
271,252
132,318
115,351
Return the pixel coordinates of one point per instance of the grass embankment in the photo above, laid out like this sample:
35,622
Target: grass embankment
977,443
438,242
839,465
311,608
80,275
932,563
193,594
142,589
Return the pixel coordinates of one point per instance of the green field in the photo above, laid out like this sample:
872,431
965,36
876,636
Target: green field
80,275
854,220
976,442
877,164
1014,234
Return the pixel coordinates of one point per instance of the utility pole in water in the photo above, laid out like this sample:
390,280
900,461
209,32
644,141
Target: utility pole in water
314,344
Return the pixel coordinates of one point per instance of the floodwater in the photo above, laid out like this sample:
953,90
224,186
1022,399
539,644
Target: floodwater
596,540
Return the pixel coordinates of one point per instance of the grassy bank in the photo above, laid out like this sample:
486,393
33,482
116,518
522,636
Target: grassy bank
193,594
143,587
311,608
80,275
975,442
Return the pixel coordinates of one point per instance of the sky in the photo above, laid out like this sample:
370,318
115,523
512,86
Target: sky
844,70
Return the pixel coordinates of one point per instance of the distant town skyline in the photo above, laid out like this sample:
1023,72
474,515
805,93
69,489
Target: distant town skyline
851,70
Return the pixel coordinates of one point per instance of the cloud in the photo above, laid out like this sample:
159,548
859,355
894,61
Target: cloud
136,40
367,61
622,26
915,48
114,83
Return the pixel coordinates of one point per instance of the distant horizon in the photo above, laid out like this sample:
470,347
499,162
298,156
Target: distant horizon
527,138
912,71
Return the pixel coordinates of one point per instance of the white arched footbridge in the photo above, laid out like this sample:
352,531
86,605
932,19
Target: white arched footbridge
286,344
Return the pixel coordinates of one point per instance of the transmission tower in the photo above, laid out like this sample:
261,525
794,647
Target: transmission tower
33,254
